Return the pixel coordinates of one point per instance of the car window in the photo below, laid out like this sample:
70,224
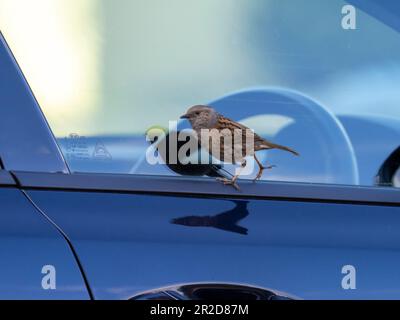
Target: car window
317,77
396,180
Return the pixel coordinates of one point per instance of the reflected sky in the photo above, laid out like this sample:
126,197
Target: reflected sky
98,68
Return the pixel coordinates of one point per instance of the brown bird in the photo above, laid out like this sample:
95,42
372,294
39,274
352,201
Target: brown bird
204,117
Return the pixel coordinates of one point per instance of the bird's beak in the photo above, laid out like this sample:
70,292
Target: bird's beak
185,116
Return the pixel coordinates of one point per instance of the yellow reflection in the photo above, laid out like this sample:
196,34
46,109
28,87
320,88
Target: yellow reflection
103,67
55,44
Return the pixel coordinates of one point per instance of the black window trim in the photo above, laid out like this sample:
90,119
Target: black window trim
6,179
207,187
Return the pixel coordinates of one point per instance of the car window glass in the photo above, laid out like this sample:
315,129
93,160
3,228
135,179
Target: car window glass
319,77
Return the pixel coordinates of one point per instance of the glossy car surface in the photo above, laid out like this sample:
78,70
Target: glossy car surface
123,236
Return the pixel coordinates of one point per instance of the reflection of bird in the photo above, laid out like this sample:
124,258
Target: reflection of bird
203,117
224,221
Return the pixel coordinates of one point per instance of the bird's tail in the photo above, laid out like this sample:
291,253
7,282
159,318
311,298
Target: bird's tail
277,146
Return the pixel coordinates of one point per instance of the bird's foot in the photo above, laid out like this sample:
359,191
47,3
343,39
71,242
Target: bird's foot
260,173
229,182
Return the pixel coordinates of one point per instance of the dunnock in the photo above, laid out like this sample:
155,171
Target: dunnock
204,117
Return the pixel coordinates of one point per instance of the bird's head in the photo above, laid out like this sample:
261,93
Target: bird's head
201,117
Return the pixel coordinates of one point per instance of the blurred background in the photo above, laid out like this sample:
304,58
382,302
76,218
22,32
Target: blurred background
115,68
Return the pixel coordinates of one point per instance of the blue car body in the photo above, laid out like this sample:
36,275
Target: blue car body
116,236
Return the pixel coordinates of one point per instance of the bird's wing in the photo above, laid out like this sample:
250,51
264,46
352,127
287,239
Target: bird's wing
259,143
226,123
267,145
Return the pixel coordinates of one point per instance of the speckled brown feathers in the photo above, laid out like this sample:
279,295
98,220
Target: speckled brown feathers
204,117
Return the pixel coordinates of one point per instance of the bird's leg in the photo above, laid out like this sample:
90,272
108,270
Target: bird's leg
232,182
261,168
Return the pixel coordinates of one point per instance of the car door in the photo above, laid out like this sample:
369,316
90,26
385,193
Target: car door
139,234
37,259
159,236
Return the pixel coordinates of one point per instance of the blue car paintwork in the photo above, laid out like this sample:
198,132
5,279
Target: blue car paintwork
27,243
23,128
132,243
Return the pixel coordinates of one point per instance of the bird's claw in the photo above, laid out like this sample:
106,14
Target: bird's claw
228,182
260,173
